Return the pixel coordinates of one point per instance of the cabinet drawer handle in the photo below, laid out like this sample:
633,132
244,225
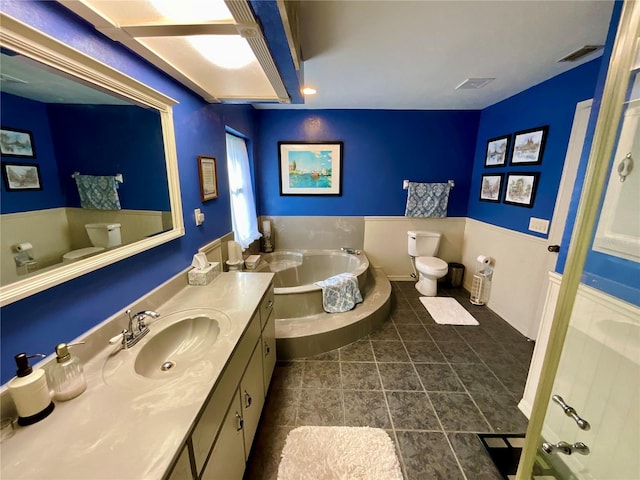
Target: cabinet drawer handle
267,349
239,422
247,399
270,304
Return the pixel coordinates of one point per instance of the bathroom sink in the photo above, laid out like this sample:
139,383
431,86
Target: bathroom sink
180,344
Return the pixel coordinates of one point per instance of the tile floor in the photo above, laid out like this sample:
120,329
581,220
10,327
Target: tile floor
432,387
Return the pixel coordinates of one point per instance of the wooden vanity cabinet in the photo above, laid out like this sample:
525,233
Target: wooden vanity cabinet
221,440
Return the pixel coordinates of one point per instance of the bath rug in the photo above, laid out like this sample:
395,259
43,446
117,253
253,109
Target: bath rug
447,311
339,453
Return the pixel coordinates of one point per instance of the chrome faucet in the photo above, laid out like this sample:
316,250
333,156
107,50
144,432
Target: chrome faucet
566,448
350,250
136,329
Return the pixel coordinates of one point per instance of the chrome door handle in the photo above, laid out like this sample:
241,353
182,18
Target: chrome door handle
571,412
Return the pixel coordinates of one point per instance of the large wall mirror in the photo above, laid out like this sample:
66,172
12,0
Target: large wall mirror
81,144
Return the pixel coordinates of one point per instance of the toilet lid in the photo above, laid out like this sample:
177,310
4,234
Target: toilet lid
81,253
432,263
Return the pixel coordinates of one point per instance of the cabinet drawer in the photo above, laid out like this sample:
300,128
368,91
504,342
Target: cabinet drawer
182,468
252,397
266,306
209,423
227,461
268,350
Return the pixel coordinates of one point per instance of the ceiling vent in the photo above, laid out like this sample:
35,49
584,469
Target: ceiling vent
581,52
474,83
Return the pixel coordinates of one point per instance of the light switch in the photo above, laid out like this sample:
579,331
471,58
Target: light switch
539,225
199,216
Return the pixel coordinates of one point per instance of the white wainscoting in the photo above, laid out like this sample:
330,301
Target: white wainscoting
385,241
519,274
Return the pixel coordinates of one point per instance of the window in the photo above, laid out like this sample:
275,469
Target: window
243,206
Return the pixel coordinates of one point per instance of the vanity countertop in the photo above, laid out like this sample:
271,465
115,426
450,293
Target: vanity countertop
116,432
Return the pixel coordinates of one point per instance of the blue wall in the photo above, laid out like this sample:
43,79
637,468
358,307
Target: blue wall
551,103
381,148
24,114
38,323
110,139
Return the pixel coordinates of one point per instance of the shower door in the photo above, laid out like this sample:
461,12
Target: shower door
585,422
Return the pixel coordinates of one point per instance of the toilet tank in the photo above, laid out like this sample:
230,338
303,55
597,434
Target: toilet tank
423,243
104,235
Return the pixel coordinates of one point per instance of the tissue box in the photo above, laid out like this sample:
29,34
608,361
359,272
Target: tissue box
252,262
205,275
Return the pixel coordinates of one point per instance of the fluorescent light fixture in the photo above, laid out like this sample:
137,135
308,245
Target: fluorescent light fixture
226,51
309,91
193,11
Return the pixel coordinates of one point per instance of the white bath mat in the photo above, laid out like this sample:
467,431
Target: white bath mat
447,311
339,453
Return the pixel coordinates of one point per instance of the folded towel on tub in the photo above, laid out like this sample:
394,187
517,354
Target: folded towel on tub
340,293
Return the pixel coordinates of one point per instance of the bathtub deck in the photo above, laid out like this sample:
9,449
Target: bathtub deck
323,332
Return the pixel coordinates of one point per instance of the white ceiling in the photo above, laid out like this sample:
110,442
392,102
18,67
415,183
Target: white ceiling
412,54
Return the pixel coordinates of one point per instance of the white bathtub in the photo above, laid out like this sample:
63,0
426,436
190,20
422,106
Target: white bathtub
295,274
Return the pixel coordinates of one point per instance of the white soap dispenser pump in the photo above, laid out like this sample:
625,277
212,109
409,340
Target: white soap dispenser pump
66,375
30,391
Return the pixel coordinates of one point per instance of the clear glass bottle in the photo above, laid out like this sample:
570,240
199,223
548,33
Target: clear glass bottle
66,377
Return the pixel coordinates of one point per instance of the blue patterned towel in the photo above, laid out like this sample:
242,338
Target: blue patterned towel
340,293
99,192
427,200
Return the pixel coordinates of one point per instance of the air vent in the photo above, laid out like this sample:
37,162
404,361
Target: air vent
474,83
581,52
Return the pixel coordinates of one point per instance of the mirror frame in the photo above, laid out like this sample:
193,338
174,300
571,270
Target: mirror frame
25,40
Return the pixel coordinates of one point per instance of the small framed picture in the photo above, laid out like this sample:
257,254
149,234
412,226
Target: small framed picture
491,187
521,189
19,177
16,143
528,146
497,151
208,178
310,168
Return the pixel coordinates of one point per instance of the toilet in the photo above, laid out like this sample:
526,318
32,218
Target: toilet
101,235
235,263
423,247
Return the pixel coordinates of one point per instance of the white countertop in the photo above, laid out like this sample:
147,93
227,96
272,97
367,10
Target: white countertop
135,431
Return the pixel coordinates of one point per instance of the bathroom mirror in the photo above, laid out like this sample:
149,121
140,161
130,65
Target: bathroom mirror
78,116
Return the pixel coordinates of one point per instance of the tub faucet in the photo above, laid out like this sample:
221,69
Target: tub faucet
350,250
136,329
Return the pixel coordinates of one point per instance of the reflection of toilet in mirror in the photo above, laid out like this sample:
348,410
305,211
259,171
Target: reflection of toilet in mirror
102,236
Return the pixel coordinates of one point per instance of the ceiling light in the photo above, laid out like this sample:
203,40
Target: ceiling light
193,11
226,51
309,91
474,83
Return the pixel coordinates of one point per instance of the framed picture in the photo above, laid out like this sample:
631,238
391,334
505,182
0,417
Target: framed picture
521,189
310,168
491,187
528,146
497,151
21,176
16,143
208,178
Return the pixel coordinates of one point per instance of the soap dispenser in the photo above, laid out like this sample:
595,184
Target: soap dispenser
30,391
66,375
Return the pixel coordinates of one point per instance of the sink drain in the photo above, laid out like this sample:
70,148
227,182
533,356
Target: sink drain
168,365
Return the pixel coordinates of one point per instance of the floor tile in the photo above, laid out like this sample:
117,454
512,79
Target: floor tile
321,375
427,352
399,376
478,378
412,411
366,409
413,333
287,375
457,413
438,377
458,352
265,453
360,376
320,407
475,462
443,333
386,332
359,351
502,412
281,406
389,351
427,455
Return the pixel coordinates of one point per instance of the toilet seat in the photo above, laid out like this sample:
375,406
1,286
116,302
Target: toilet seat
432,265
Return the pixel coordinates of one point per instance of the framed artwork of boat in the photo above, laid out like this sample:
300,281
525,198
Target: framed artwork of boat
528,146
310,168
497,151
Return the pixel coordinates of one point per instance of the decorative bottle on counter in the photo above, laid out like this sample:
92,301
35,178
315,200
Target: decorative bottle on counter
66,375
30,391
